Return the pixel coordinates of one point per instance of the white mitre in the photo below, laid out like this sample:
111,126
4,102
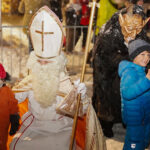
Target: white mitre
46,33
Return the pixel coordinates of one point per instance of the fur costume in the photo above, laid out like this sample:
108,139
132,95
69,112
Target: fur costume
110,48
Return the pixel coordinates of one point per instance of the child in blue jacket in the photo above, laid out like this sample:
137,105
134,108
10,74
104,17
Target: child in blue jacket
135,95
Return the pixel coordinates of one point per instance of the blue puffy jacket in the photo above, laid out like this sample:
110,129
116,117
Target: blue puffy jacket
135,100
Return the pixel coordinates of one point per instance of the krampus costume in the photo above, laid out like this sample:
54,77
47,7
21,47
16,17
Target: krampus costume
110,48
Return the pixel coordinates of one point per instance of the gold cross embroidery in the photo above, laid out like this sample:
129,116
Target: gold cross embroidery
42,33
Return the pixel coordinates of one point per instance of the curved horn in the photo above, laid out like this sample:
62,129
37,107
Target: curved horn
130,10
121,18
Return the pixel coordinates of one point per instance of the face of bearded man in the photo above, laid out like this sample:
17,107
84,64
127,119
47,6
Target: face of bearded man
45,79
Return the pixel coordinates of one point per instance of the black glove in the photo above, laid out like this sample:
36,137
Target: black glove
14,120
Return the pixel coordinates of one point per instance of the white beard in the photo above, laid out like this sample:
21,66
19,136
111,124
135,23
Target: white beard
45,82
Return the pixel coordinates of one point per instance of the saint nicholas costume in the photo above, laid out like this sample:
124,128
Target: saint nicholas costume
8,111
47,124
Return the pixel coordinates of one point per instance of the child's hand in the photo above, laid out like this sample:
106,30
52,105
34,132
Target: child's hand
148,74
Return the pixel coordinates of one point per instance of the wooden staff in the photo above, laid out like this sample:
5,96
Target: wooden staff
83,72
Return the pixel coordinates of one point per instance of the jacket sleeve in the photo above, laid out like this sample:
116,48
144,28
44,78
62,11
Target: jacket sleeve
21,96
131,87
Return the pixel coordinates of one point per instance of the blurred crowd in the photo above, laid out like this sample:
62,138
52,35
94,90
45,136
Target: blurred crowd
75,14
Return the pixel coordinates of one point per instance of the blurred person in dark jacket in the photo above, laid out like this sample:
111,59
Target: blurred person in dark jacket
56,8
85,17
73,15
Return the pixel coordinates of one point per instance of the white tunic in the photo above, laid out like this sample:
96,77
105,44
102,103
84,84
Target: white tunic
42,128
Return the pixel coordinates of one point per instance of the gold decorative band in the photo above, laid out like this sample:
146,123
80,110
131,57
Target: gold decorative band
45,57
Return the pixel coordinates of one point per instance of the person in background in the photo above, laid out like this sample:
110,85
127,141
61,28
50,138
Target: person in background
73,15
109,7
135,95
8,110
56,6
103,15
85,17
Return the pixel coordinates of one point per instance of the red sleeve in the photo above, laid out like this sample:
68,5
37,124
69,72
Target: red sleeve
13,103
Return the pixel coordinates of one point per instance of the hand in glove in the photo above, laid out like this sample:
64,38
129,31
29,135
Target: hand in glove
14,120
81,88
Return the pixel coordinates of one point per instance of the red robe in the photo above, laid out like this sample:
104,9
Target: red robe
8,106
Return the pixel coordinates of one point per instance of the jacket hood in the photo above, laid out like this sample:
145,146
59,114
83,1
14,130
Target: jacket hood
123,65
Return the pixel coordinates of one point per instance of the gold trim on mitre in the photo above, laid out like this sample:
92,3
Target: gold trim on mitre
45,57
55,17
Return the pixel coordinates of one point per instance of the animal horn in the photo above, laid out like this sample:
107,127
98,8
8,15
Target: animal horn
130,10
121,18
